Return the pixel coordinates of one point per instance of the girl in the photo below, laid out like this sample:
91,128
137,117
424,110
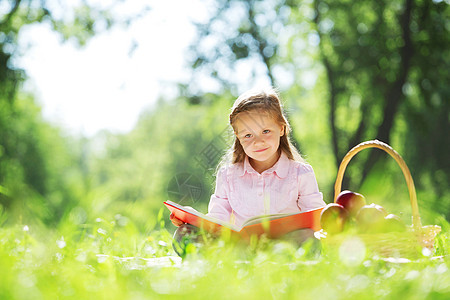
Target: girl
262,173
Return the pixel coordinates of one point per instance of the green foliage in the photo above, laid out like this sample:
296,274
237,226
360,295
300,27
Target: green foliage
374,53
41,170
38,166
138,171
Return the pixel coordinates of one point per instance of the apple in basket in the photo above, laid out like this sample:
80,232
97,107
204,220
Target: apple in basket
370,218
351,201
333,218
393,223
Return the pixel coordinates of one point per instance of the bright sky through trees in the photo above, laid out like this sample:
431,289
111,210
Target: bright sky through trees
107,83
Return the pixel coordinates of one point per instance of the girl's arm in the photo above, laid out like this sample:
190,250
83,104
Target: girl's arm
219,207
309,196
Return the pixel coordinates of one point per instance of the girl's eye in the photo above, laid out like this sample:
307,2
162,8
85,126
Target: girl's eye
266,131
248,135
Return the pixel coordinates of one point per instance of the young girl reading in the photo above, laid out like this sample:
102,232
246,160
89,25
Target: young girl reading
263,173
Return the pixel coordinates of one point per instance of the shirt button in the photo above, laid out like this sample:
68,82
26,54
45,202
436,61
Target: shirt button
260,194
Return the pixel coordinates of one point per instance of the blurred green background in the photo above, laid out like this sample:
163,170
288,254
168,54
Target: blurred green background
347,71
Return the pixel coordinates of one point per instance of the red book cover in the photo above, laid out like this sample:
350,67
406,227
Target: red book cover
273,225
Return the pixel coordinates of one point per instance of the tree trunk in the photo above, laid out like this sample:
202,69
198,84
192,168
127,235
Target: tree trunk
394,95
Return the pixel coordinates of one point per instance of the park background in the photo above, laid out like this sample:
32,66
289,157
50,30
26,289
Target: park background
346,71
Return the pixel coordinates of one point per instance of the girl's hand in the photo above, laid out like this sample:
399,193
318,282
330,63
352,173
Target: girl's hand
175,221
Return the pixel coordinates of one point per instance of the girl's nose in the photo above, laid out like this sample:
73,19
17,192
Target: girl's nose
259,139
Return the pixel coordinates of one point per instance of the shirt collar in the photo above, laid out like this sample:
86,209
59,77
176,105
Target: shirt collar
281,167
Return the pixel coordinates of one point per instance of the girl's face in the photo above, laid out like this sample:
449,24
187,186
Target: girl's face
259,135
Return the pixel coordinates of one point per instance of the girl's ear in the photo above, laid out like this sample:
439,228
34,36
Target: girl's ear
282,130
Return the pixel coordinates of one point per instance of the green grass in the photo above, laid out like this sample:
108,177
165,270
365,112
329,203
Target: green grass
111,259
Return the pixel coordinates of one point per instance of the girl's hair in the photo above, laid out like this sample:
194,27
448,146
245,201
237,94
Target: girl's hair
265,100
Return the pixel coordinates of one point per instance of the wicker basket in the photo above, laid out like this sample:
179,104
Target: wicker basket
400,244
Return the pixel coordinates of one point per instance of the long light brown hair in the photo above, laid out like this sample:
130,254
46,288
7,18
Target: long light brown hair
268,101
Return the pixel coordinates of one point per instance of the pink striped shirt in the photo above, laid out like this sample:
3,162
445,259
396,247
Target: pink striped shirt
241,192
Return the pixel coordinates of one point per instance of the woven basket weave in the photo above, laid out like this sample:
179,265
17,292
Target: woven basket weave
404,244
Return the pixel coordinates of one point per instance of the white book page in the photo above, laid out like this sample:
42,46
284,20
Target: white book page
261,219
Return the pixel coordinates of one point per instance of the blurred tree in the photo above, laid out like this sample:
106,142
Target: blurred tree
386,65
238,31
160,159
373,55
33,154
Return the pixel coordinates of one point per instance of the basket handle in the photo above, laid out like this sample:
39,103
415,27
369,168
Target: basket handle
383,146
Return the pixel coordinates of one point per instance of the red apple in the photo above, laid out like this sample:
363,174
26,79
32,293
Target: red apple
333,218
370,218
351,201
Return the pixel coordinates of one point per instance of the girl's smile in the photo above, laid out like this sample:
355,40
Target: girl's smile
259,135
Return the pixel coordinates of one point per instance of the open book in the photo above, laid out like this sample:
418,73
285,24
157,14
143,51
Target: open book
274,225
